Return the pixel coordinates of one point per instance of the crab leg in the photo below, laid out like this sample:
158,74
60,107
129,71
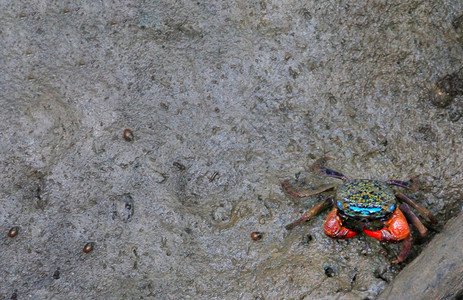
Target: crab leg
310,213
304,193
395,230
412,218
407,245
420,209
333,227
410,185
319,165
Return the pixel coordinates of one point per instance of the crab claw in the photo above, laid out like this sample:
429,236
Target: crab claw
333,227
395,230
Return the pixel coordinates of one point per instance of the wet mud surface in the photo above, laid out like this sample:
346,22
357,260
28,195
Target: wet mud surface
224,101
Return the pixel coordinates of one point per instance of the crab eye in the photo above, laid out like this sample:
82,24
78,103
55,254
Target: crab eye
391,207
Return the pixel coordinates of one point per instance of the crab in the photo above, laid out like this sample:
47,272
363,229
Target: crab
367,205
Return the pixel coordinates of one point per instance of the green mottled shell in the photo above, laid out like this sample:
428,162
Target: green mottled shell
363,198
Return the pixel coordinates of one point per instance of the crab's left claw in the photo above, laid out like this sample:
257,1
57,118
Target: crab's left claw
396,229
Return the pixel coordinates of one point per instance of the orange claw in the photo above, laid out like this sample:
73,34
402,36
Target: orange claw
395,230
333,227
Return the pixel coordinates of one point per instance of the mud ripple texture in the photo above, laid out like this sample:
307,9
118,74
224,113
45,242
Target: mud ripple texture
225,100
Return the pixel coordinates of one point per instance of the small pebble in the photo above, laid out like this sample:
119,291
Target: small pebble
256,235
440,98
88,248
128,135
56,275
13,232
329,272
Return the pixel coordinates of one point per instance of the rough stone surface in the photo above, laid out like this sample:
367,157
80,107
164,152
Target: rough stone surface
225,100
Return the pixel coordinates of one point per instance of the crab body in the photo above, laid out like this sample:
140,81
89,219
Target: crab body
365,199
364,205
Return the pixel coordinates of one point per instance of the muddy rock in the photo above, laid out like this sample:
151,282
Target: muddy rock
437,272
